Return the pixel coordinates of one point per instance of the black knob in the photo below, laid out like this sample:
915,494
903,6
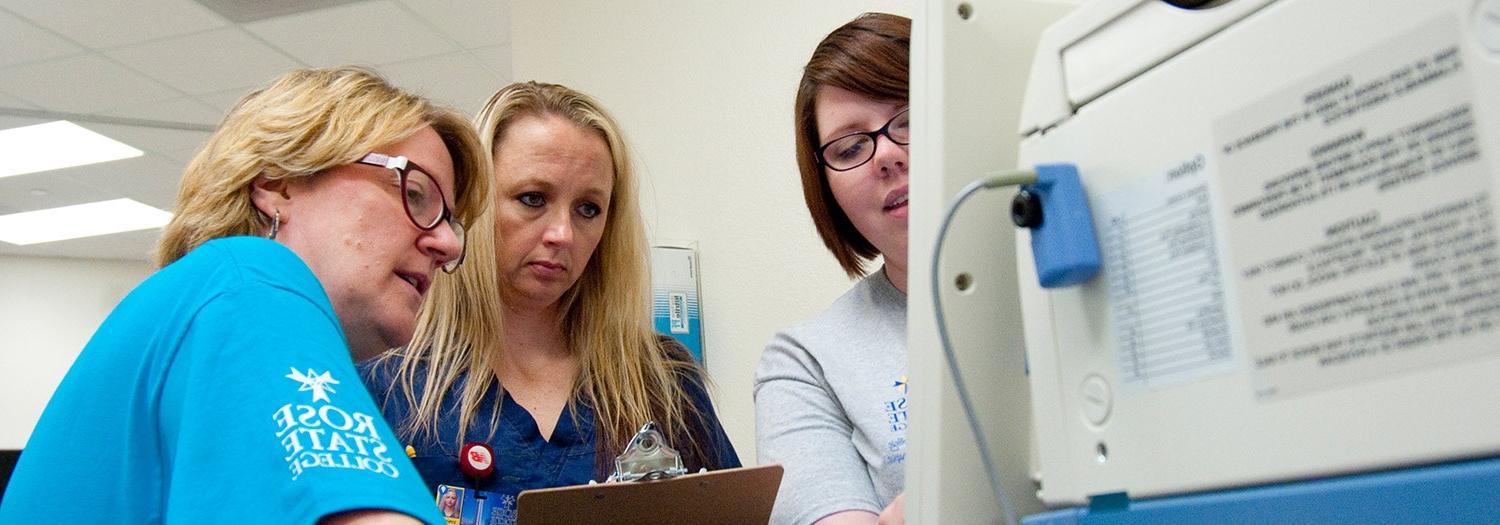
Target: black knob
1196,4
1026,209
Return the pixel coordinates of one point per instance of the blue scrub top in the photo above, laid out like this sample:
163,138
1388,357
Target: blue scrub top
523,460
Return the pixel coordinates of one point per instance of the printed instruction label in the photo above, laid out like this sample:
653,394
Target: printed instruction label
1361,221
1161,257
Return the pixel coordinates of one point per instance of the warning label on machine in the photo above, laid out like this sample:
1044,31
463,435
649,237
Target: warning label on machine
1360,219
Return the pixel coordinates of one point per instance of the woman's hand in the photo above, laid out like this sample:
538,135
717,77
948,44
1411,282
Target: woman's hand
895,513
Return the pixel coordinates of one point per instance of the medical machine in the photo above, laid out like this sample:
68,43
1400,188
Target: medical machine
1295,211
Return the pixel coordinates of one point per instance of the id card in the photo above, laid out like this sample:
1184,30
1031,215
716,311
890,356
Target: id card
467,506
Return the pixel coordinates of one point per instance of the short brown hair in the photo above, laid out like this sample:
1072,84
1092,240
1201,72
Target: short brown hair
869,56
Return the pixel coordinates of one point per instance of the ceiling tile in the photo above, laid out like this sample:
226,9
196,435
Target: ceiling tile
376,32
150,139
498,59
225,100
8,121
134,246
150,179
186,110
7,101
24,42
455,79
84,84
181,157
471,23
46,189
176,61
110,24
206,62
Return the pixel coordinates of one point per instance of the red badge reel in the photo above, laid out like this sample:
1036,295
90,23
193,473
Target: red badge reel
477,460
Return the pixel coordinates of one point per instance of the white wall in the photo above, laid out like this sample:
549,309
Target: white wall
48,309
704,91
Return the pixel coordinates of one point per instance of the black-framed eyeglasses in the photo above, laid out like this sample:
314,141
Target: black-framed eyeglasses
855,149
423,199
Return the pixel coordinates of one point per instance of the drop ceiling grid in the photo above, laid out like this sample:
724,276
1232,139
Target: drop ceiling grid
176,61
206,62
188,110
456,79
24,42
7,101
369,33
112,24
497,58
470,23
71,83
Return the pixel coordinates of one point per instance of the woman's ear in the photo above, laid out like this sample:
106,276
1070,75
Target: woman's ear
269,195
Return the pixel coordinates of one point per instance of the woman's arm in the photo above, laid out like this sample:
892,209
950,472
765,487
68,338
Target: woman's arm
800,424
268,406
894,514
368,517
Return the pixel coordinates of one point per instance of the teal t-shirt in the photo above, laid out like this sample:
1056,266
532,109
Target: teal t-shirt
220,390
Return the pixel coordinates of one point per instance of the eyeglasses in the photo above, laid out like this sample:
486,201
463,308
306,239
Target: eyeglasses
422,198
855,149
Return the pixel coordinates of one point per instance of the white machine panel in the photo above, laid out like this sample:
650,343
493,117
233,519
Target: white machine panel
1296,206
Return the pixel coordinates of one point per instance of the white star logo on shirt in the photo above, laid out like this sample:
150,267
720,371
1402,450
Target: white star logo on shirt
317,383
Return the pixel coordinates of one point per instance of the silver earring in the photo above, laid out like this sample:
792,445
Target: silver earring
275,226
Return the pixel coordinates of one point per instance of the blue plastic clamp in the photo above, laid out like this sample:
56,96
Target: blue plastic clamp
1064,245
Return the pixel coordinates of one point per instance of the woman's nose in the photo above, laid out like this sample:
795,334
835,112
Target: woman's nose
559,231
890,158
442,243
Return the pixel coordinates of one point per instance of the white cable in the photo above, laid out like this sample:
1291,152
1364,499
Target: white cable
1014,178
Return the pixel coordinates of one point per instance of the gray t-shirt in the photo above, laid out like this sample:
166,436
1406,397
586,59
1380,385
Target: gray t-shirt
830,405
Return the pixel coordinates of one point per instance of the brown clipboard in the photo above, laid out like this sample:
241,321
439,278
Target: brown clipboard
740,495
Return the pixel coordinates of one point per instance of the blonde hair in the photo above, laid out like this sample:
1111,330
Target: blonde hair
305,122
626,373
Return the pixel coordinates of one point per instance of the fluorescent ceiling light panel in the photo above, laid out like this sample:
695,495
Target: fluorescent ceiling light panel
55,145
80,220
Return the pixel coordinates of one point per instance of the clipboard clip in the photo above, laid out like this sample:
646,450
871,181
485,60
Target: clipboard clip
647,458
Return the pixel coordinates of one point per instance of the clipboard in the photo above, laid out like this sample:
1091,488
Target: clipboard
730,496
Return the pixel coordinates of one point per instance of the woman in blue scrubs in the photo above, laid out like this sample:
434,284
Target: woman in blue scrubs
221,389
543,347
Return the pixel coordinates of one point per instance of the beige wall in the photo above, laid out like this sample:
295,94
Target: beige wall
48,309
704,91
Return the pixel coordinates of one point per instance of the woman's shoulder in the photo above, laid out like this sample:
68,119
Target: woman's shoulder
871,308
382,378
870,318
246,264
673,349
235,273
381,370
690,374
240,251
680,359
872,299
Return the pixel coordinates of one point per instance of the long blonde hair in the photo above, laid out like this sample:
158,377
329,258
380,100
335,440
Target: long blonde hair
305,122
626,374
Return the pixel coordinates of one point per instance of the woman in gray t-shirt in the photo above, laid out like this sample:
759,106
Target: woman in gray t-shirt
830,393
